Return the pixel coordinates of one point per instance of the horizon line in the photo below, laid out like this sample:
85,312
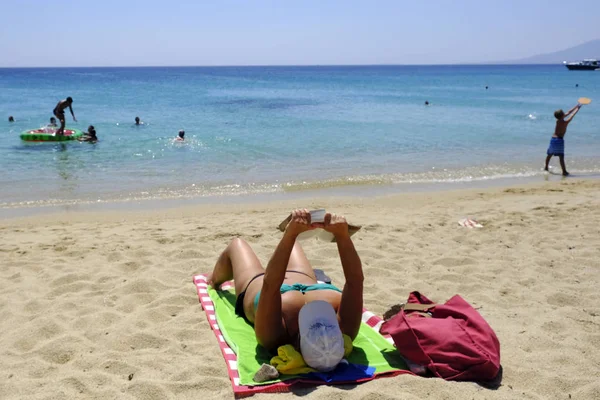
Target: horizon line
285,65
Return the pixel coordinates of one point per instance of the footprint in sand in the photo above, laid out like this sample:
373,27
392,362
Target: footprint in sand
130,266
67,279
61,350
114,256
454,262
117,367
561,300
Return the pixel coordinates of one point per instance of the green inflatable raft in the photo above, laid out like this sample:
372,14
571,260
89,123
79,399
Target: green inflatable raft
48,135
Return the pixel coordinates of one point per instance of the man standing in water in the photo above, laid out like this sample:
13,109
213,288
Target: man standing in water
59,112
557,142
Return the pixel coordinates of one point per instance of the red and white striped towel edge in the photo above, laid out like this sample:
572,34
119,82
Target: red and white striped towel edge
469,223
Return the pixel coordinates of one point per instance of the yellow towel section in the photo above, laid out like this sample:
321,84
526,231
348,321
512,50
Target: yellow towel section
347,345
288,361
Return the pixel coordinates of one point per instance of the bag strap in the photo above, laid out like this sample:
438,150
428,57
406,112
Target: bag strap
411,309
417,306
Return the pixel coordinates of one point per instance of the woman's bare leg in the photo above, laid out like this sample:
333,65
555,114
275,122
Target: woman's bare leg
237,262
299,262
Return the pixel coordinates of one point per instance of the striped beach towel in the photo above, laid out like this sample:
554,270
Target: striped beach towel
244,357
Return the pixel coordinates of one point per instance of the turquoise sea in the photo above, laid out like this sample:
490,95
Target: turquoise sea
287,129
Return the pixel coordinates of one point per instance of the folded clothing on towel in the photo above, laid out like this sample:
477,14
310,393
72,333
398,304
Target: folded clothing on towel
345,372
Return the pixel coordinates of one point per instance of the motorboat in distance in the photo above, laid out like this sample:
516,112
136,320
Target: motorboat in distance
585,65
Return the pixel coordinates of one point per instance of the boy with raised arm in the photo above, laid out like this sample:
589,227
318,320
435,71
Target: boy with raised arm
557,142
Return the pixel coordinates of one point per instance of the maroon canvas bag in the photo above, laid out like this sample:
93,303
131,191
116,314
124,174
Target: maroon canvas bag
451,340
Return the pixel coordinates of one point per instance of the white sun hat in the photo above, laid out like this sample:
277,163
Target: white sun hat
321,340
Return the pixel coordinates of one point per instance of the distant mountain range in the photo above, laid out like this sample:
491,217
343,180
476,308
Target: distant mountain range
589,49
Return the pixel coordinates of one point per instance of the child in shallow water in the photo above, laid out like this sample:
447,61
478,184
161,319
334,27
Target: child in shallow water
557,142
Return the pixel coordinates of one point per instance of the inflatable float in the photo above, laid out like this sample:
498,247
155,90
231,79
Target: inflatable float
48,135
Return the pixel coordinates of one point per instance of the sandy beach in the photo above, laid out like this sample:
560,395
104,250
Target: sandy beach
101,305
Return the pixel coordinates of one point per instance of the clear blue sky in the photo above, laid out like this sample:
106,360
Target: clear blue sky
284,32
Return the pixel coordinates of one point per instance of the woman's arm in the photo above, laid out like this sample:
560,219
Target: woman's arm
268,323
351,305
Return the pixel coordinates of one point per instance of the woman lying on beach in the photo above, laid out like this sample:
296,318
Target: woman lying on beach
285,303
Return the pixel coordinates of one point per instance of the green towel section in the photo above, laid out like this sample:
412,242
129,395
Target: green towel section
370,348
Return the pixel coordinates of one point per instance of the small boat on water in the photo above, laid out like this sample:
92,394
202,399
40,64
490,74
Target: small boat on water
585,65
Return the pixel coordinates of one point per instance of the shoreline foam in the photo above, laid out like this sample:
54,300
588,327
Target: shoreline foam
235,194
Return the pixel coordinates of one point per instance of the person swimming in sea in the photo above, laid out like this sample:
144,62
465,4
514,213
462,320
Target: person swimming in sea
11,118
180,136
52,123
90,136
59,112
